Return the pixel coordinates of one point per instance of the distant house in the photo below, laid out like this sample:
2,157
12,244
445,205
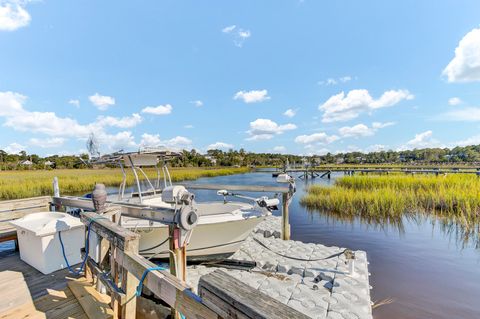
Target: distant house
340,160
48,163
212,159
26,162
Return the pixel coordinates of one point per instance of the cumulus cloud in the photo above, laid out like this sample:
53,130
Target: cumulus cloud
265,129
341,107
362,130
317,138
102,102
74,102
465,66
421,140
48,123
219,146
124,122
14,148
47,142
153,140
454,101
238,35
290,113
158,110
13,15
253,96
356,131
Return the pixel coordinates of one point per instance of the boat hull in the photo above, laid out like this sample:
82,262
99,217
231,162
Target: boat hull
208,241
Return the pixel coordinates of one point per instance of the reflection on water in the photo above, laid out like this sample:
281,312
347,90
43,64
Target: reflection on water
430,267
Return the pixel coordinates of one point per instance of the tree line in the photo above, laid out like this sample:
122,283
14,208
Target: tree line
192,158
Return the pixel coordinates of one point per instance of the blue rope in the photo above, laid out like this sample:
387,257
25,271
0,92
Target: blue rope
145,273
73,271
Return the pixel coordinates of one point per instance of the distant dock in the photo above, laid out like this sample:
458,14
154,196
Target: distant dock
325,172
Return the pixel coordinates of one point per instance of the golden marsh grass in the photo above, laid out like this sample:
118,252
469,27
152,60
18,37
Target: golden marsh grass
22,184
390,197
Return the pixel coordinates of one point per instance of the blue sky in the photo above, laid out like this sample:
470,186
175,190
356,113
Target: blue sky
303,77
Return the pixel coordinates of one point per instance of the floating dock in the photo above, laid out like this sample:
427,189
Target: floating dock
291,279
319,288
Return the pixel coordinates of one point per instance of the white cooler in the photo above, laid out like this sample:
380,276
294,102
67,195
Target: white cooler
39,242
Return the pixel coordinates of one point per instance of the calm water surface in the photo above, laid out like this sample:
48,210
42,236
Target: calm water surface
424,269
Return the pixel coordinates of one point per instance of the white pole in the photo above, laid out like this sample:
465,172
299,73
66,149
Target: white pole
56,188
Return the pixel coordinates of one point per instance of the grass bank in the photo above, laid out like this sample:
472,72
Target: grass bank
22,184
388,198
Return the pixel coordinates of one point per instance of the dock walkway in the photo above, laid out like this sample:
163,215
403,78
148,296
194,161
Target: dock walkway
27,293
319,288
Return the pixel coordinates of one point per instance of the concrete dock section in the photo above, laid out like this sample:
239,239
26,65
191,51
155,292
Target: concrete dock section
311,278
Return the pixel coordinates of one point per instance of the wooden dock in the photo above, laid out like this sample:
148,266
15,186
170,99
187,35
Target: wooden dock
108,287
27,293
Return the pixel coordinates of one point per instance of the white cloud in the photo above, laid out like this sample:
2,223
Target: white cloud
121,140
253,96
178,142
102,102
341,107
14,148
188,126
48,123
378,125
229,29
290,113
47,142
280,149
421,140
473,140
465,66
219,146
265,129
319,138
332,81
197,103
356,131
11,103
238,35
466,114
362,130
13,15
124,122
74,102
158,110
454,101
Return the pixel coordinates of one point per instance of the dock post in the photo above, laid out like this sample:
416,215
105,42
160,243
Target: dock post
56,188
285,218
177,260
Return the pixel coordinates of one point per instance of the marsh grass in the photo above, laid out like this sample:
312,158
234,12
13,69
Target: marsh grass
454,200
22,184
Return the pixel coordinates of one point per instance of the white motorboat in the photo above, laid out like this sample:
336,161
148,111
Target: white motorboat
221,228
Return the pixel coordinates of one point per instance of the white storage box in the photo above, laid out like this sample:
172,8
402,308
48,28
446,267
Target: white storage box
39,242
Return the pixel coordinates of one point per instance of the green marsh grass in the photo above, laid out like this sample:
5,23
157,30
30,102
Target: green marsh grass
455,198
23,184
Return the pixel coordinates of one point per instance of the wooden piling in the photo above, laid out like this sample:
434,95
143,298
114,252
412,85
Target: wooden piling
285,217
